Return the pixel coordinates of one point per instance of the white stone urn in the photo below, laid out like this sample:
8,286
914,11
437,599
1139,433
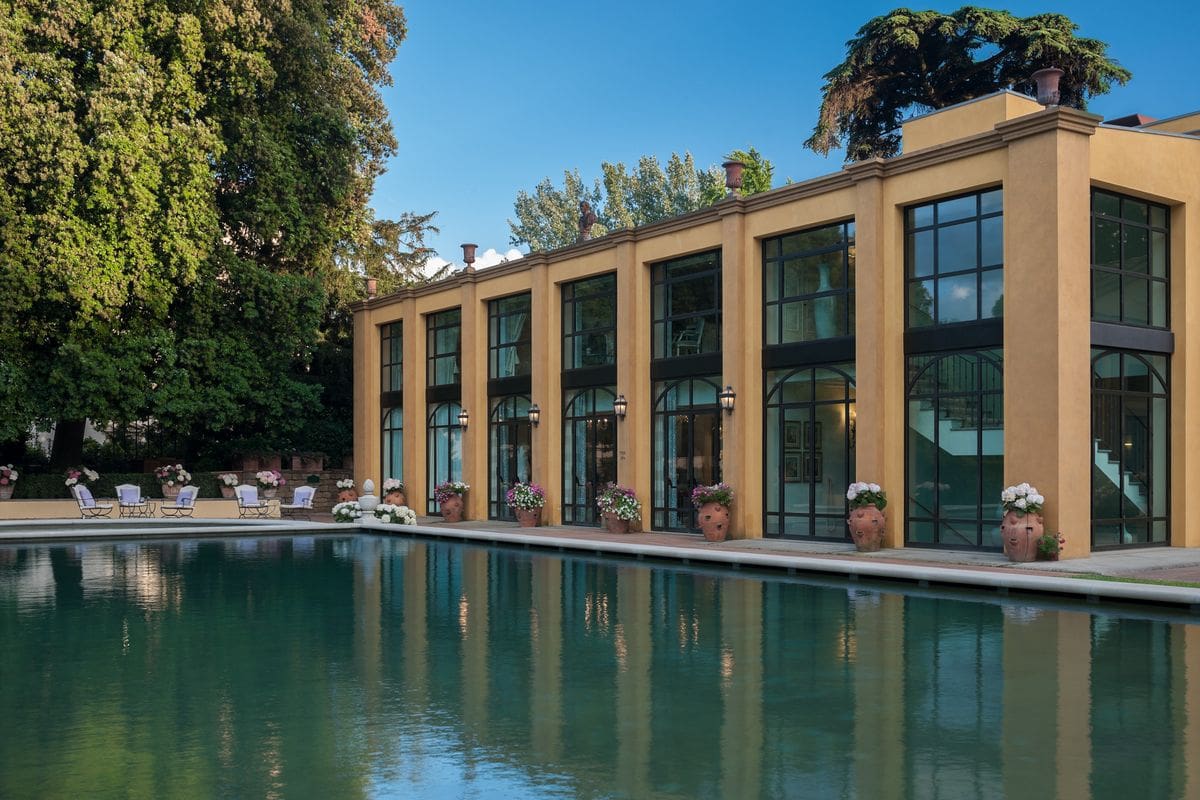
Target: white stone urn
368,499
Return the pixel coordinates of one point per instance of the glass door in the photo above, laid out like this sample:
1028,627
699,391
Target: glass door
687,447
510,452
589,452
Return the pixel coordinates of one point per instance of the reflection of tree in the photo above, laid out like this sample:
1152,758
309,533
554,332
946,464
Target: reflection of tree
998,307
920,305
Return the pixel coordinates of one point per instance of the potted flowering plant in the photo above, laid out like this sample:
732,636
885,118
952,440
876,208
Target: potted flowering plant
269,480
346,493
394,492
449,497
619,507
172,478
8,479
526,501
866,522
712,506
347,512
228,481
81,475
396,515
1022,525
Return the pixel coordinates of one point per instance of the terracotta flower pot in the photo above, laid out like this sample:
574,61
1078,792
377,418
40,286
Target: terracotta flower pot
1020,534
528,517
395,498
713,519
866,525
227,492
347,496
615,524
171,492
452,508
6,492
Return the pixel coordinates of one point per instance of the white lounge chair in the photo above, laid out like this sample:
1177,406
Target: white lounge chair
248,503
131,503
184,505
302,502
88,507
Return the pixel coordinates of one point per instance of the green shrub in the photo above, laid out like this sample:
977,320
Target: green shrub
50,486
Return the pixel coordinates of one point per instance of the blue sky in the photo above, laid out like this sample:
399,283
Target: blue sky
491,97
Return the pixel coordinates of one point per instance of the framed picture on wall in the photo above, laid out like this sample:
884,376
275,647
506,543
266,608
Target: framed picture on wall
793,435
793,467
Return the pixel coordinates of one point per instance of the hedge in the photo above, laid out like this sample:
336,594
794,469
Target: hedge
52,487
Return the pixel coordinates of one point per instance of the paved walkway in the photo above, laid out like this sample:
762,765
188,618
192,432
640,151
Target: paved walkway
1152,563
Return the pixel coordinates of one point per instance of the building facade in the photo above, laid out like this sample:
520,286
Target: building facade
1005,301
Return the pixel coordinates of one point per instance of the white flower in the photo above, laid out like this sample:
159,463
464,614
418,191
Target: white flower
1008,495
875,488
1020,502
851,493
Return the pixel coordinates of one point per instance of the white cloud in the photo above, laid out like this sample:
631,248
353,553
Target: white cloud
488,258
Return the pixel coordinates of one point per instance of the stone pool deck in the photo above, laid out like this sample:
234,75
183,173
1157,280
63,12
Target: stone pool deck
1133,575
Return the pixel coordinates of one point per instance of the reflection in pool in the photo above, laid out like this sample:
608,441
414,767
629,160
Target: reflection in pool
369,667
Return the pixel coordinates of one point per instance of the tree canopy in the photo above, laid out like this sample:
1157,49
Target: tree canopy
182,186
627,197
908,61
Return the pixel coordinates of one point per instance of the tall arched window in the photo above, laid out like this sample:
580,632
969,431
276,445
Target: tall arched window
589,452
955,449
393,444
809,451
444,454
1130,449
509,451
687,448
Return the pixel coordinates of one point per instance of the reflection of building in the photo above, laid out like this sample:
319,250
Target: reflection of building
919,322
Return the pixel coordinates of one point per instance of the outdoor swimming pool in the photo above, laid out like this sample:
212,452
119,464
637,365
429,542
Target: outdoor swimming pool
362,666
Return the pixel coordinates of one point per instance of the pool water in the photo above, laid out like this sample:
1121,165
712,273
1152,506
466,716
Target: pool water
344,667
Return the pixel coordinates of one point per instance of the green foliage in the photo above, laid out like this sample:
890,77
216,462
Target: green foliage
50,486
629,197
909,61
183,213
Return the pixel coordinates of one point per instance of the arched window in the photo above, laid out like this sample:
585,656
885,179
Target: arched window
809,453
444,455
393,444
589,452
687,448
955,449
1130,449
509,451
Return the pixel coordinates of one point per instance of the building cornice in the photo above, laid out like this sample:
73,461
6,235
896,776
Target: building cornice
1055,118
1051,119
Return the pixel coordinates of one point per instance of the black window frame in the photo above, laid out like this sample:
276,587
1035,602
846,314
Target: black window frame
496,315
1120,271
936,276
572,298
773,253
1164,378
391,340
386,428
661,327
434,323
936,518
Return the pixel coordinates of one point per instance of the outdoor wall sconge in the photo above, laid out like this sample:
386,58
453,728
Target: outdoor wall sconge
372,287
463,418
535,415
620,406
726,399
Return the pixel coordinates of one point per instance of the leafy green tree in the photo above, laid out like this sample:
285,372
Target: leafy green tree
909,61
177,183
629,197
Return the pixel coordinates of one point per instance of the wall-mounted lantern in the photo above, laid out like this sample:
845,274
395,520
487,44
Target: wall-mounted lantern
620,406
726,398
463,418
535,415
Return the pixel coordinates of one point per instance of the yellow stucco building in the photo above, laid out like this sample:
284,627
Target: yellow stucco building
1005,301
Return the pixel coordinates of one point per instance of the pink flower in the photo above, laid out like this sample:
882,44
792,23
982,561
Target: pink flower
3,481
